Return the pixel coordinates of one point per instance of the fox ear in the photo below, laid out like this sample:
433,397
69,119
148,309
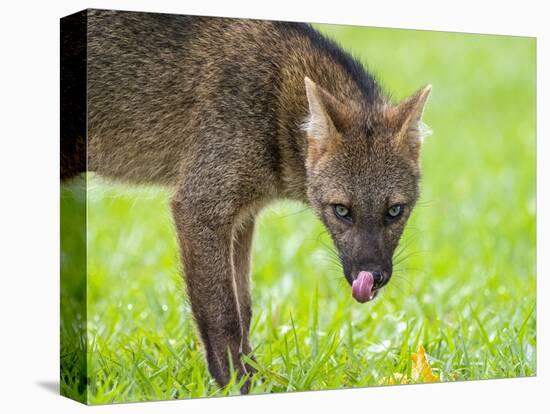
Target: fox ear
409,117
326,117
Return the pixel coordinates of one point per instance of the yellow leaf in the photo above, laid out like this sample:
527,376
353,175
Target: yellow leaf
421,370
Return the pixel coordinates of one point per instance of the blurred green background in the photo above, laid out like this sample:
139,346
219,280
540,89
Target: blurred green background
464,285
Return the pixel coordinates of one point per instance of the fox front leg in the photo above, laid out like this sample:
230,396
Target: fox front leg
242,243
206,250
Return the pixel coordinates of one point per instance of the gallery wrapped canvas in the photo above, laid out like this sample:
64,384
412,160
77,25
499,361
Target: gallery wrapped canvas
254,206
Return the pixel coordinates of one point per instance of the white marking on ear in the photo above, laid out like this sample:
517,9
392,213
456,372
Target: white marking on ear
413,130
424,130
317,125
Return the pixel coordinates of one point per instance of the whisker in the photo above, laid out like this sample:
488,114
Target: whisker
399,260
398,287
425,203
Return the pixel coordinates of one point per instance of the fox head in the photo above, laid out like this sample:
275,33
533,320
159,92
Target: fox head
363,176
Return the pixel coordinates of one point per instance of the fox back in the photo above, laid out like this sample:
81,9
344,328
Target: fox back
154,79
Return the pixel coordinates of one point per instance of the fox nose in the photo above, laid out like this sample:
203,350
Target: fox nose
378,279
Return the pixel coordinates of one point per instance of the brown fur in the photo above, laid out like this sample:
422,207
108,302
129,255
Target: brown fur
234,114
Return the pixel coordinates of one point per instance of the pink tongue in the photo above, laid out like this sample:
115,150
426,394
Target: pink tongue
361,288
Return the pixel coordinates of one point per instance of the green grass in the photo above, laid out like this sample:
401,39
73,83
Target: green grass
464,285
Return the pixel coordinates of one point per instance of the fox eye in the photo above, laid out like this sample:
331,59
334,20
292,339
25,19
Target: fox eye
394,211
342,212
